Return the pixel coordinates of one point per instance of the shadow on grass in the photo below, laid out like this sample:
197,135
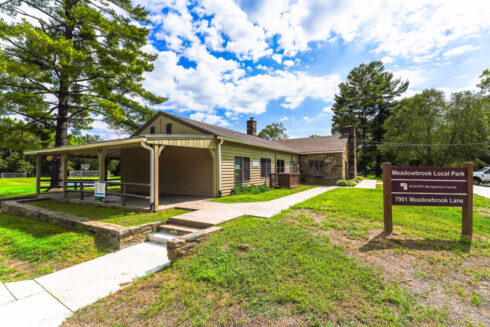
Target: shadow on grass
384,241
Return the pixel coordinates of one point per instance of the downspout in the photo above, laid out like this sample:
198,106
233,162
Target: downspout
152,173
219,168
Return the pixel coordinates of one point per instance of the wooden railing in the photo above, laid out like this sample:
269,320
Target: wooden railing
285,180
81,185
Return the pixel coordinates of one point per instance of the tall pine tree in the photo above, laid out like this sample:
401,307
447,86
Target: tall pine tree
366,100
64,62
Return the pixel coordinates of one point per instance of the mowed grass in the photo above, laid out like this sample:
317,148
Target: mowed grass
10,187
261,197
29,248
262,272
359,210
116,216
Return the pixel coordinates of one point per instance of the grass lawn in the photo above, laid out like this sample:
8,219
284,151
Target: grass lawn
261,197
116,216
29,248
10,187
321,263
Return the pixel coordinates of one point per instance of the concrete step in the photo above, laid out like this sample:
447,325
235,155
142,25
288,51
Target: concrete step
190,222
176,229
160,237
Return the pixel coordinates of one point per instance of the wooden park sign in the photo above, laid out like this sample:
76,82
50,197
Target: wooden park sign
428,186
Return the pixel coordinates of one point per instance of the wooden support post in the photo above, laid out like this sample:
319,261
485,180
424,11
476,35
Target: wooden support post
156,165
102,155
123,191
82,194
64,170
387,205
467,230
38,174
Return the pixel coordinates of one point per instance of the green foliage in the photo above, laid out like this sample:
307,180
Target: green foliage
250,189
365,101
117,216
430,124
63,63
29,248
274,132
270,194
343,182
315,135
15,162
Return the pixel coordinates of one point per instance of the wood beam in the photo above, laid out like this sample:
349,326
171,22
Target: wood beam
156,165
102,156
38,174
64,170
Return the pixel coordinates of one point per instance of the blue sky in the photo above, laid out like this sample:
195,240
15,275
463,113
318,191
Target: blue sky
222,61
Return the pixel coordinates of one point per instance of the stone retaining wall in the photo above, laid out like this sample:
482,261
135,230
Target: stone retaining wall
117,236
181,246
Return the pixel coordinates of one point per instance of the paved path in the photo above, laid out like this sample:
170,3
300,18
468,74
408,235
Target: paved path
48,300
367,183
483,190
215,213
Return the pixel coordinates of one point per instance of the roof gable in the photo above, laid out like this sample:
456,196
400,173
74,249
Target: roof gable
331,143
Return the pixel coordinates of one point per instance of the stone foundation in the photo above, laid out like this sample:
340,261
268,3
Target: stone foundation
334,168
181,246
117,236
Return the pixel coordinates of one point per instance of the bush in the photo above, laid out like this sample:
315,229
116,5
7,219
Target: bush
343,182
250,189
358,179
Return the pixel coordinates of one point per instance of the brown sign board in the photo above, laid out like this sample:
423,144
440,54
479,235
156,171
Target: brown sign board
429,186
418,186
429,173
444,200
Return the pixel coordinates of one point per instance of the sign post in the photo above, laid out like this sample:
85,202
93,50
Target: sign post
429,186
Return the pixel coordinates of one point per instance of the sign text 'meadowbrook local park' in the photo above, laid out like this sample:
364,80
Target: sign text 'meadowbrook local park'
429,186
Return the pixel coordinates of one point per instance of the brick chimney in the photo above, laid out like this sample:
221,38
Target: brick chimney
350,131
251,126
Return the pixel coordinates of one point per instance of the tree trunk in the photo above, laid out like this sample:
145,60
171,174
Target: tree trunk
63,105
378,166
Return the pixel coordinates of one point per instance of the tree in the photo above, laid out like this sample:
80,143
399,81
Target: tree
426,129
366,99
314,135
64,62
274,132
416,120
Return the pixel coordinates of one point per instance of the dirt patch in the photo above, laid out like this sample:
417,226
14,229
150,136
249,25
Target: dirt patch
456,284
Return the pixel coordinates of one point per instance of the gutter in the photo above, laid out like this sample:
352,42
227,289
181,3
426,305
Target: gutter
152,173
219,167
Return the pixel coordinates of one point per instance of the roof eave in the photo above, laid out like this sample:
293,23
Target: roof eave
256,145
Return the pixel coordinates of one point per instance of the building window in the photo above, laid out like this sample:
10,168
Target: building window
242,170
169,128
152,130
316,167
265,167
280,166
291,166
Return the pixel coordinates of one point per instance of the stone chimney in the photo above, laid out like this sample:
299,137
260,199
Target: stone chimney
350,131
251,126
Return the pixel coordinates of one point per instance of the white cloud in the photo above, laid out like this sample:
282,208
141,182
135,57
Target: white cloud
387,60
288,63
285,118
277,57
327,110
460,50
306,118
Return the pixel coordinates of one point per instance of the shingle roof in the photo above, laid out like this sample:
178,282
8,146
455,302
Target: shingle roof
299,145
317,144
231,134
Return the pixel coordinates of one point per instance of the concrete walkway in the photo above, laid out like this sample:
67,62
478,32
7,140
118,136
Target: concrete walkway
213,213
482,190
48,300
367,183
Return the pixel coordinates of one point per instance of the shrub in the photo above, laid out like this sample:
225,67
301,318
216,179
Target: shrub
249,189
358,179
343,182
